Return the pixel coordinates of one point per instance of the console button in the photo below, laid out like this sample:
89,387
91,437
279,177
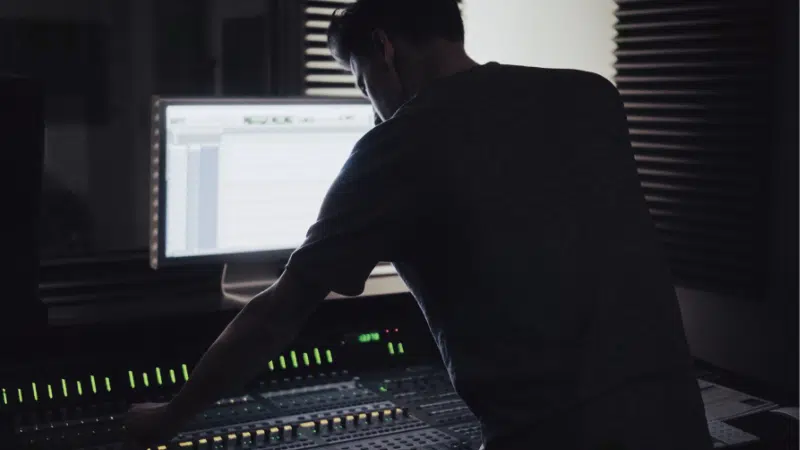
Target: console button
306,430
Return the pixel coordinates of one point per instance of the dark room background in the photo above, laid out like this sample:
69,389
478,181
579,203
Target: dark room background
102,60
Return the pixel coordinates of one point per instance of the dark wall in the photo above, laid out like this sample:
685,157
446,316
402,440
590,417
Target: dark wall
759,336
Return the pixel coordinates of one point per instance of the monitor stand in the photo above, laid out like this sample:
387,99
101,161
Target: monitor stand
242,281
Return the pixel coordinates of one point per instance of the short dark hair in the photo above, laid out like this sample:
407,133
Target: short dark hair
415,20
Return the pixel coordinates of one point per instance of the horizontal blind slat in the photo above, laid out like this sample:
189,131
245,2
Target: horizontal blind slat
688,73
324,76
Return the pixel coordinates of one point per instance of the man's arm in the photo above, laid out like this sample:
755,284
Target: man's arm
267,324
370,214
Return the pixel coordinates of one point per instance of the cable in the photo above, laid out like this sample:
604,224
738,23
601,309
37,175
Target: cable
224,286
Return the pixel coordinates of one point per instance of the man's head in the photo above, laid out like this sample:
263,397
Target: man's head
394,46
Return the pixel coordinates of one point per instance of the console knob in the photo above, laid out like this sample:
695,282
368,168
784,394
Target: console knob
274,434
287,433
324,427
260,438
247,439
337,424
217,443
306,430
231,441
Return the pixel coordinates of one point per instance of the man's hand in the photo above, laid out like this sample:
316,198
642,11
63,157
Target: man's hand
150,424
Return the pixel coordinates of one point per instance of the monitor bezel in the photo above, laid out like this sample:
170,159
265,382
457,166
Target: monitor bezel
157,226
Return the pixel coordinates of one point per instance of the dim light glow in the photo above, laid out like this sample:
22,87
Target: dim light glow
317,357
366,338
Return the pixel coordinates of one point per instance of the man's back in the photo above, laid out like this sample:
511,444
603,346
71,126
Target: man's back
508,199
538,271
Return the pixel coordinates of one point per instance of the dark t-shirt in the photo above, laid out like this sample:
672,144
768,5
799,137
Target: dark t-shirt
508,200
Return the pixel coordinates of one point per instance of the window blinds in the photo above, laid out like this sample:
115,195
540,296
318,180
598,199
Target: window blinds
692,76
325,77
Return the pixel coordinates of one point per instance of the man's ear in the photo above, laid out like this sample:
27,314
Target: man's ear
383,47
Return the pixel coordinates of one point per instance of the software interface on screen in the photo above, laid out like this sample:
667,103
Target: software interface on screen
251,178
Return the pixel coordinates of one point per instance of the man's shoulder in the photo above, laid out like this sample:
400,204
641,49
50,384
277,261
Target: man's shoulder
552,72
545,76
407,128
390,148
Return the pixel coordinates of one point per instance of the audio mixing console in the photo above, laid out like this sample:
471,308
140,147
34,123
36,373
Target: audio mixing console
357,391
331,410
310,397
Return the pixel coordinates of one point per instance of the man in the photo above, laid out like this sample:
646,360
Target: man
508,199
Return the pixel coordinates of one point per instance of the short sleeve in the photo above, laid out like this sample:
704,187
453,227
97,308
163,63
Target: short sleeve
370,212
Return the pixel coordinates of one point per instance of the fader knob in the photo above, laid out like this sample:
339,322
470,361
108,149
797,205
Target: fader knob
217,443
231,441
324,427
247,440
260,438
306,430
287,433
274,434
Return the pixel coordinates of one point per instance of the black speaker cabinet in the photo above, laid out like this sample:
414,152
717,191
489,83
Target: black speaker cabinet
22,148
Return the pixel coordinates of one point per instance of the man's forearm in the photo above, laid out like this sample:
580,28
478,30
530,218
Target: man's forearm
239,354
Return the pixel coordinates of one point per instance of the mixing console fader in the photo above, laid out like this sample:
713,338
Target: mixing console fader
374,389
338,411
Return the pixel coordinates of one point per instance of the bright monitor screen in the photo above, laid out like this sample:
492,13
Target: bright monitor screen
246,177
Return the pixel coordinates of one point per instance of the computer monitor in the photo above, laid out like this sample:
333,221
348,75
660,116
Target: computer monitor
238,180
